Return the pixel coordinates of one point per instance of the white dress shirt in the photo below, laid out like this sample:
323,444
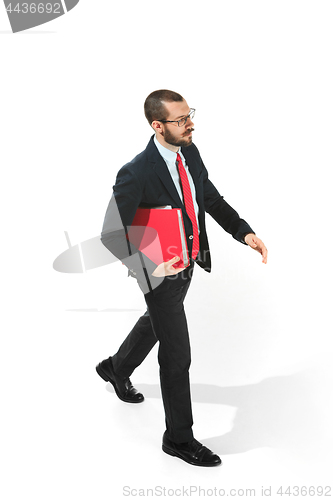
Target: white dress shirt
170,159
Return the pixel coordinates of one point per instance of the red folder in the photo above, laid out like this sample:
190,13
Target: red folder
159,233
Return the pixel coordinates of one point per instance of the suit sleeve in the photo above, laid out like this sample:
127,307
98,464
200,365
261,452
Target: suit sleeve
126,198
222,212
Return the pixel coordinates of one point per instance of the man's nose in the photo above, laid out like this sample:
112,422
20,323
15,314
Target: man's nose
189,123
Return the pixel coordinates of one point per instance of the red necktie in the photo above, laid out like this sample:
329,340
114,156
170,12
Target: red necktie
188,202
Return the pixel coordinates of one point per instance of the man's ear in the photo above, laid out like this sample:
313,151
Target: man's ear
157,126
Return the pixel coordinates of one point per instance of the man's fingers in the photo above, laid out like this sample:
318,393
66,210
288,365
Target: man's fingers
171,262
167,269
174,259
173,270
263,250
257,245
264,255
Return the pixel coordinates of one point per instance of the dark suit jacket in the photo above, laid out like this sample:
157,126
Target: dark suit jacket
146,182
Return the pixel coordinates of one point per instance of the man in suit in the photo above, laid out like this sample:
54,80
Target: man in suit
169,171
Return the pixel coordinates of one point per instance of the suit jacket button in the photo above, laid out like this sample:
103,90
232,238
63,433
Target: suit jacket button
190,237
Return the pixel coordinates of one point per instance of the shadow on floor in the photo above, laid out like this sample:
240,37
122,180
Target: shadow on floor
278,412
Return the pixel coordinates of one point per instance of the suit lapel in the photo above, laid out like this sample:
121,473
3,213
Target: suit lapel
161,169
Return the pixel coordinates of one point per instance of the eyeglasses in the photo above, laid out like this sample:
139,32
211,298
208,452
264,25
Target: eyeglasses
182,121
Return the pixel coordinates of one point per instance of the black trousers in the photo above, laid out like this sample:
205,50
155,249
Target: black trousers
165,322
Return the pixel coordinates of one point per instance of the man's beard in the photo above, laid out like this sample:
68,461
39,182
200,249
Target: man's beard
176,141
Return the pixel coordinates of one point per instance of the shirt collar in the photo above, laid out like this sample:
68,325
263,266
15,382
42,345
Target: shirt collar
166,154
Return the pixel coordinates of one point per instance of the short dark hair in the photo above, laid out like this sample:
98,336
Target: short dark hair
155,104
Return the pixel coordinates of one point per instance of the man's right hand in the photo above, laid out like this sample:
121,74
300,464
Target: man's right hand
167,269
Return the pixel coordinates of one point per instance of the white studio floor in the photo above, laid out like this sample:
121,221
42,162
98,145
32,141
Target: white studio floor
267,414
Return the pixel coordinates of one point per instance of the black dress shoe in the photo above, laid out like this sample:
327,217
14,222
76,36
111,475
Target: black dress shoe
193,453
123,386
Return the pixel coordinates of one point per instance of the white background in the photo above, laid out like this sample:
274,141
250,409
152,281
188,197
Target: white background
259,74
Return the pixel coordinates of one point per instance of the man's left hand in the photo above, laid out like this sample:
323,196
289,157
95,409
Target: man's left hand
254,242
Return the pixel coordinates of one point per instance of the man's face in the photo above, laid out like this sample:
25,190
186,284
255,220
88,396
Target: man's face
172,134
